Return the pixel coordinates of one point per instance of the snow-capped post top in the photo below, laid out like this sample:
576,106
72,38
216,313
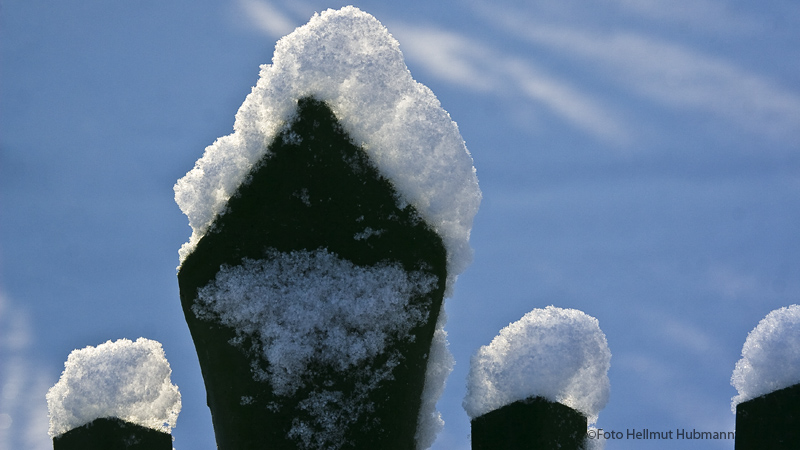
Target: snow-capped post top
347,59
770,356
558,354
123,379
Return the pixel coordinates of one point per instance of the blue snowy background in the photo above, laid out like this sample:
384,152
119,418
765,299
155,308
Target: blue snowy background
639,161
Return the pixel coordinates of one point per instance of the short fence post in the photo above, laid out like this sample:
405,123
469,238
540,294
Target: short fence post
100,385
771,421
539,383
112,434
532,424
766,377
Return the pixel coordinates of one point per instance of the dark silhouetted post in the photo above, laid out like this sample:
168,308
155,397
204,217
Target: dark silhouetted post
532,424
326,231
112,434
314,190
771,421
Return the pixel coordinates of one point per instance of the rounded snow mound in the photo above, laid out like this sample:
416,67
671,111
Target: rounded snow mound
123,379
554,353
770,356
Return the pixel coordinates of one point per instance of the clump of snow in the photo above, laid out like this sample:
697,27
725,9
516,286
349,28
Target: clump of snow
123,379
558,354
313,307
349,60
770,356
440,364
307,308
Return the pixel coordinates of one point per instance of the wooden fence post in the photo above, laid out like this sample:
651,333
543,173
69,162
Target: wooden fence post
531,424
315,190
771,421
112,434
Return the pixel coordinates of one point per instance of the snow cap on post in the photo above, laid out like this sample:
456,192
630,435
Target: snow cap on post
558,354
123,379
347,59
770,356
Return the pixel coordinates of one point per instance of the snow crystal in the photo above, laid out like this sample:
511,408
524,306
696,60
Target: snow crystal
316,308
122,379
347,59
770,356
558,354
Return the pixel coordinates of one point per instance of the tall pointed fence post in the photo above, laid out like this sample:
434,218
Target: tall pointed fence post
327,231
539,383
314,284
116,396
767,379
